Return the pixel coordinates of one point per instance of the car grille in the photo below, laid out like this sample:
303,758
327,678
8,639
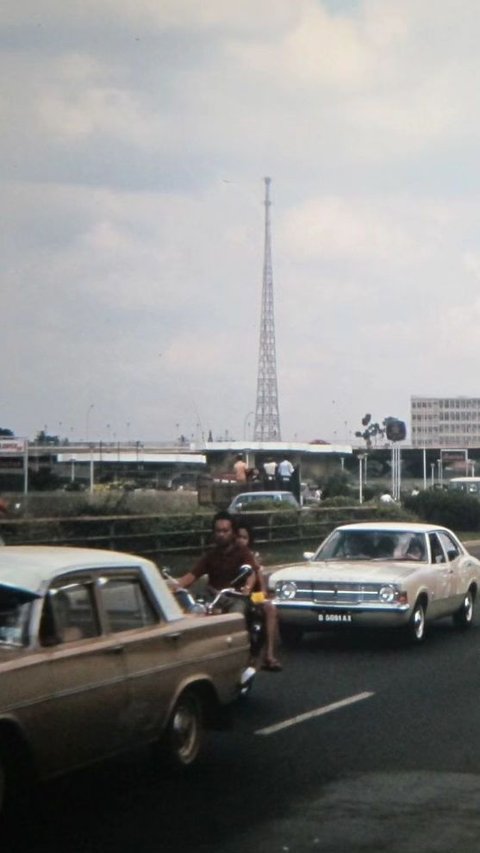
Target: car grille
337,593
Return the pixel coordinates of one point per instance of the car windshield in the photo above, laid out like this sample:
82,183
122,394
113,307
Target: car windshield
15,608
373,545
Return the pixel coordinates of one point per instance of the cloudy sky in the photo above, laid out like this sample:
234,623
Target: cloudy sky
135,138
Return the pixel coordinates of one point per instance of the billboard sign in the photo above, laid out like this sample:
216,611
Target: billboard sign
12,446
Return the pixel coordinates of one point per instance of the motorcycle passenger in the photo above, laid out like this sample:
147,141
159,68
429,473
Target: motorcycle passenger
222,562
271,663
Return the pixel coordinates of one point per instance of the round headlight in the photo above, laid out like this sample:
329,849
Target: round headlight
287,589
387,594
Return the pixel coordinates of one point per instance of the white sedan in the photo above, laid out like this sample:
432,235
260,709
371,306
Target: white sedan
378,575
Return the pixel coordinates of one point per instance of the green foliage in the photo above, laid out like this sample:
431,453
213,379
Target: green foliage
459,512
336,485
338,500
370,431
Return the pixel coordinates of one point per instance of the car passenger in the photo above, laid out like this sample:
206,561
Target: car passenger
415,550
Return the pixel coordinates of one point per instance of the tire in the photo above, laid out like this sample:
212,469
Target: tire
290,635
416,627
463,618
185,731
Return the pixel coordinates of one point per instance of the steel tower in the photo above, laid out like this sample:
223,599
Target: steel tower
267,417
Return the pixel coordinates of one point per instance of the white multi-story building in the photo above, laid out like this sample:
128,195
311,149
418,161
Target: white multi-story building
445,421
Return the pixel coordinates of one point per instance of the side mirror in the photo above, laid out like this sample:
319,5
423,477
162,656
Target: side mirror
308,555
244,573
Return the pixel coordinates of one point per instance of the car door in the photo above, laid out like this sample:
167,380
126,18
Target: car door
150,650
442,583
86,675
455,560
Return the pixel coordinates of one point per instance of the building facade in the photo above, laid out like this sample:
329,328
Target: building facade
445,421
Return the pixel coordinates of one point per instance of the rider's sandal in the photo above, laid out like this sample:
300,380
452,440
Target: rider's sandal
272,666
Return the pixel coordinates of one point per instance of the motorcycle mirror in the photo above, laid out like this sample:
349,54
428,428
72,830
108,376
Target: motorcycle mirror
245,572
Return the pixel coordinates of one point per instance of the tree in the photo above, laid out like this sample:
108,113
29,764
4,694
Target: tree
372,430
43,438
6,433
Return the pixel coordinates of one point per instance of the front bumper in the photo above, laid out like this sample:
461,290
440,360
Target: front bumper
313,616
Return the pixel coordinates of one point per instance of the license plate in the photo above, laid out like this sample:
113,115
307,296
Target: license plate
335,618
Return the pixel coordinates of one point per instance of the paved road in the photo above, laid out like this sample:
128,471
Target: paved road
388,760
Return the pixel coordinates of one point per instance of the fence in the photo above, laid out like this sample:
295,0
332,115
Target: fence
157,536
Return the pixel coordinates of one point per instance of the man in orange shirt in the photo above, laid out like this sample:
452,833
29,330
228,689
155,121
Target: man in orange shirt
240,469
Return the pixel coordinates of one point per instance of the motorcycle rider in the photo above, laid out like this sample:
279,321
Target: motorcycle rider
222,564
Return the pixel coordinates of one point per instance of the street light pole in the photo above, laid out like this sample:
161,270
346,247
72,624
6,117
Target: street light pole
245,423
87,420
360,478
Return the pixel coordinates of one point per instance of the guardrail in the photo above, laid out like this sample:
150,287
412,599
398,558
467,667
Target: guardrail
157,536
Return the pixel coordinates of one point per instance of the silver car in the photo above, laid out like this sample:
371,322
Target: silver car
246,501
378,575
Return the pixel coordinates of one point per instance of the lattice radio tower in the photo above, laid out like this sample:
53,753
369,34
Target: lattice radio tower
267,417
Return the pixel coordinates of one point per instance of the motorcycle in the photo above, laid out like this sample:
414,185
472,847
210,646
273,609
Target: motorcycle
254,615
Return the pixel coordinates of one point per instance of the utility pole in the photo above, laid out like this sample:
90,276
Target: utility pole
267,417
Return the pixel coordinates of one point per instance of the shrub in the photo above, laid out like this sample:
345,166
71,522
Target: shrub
457,511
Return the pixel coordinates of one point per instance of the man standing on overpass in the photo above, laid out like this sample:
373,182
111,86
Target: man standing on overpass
284,473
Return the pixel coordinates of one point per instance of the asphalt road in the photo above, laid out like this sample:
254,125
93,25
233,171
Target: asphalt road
377,749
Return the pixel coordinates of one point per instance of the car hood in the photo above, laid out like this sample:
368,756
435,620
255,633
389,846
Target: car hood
347,571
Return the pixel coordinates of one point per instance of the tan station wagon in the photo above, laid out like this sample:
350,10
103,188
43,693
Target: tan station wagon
96,657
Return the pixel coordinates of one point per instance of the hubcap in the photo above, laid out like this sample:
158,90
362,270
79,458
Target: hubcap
185,733
419,623
468,607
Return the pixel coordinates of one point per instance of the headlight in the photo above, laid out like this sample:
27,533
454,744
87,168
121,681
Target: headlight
387,594
286,589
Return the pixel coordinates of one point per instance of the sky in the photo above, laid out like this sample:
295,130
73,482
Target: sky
136,135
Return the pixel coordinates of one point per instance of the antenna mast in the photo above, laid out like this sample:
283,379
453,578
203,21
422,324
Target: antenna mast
267,418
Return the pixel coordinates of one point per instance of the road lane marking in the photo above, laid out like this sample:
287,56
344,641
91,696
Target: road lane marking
318,712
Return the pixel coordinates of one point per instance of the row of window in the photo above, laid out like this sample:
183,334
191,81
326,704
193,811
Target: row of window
70,612
464,403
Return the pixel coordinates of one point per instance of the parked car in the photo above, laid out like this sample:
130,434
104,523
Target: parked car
184,481
263,500
378,575
96,656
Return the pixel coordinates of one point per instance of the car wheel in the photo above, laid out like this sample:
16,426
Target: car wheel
463,618
416,626
185,730
290,635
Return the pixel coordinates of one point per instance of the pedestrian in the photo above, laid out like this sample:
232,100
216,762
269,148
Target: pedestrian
240,469
284,474
270,473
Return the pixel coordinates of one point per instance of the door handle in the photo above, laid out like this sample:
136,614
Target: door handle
115,650
174,636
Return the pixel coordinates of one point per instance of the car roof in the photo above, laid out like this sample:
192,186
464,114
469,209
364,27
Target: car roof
264,495
33,567
409,526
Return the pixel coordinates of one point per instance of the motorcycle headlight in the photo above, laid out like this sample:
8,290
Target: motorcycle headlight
286,589
387,594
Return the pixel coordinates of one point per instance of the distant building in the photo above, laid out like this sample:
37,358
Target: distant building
445,421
